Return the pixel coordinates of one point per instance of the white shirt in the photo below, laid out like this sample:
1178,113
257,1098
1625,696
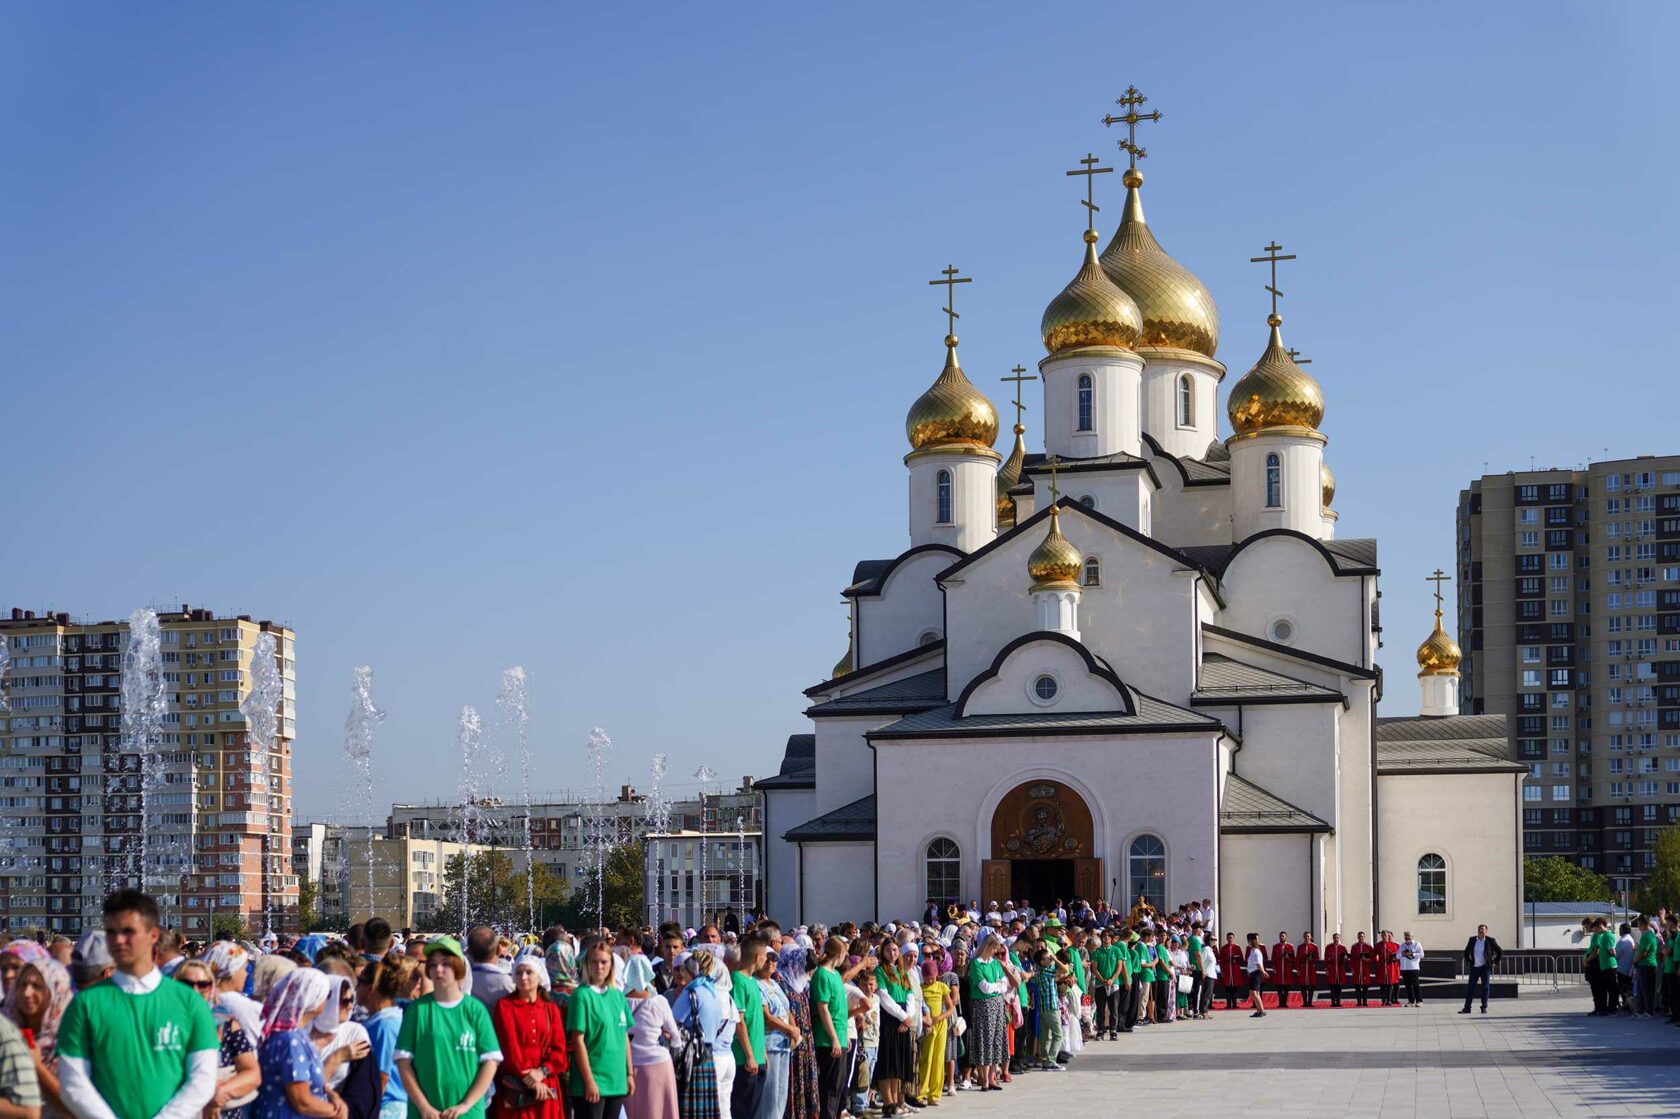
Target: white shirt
1411,954
1256,960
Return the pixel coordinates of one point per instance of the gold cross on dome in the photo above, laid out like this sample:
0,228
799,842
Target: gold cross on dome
1131,119
1272,257
1090,170
1295,356
950,281
1055,493
1020,379
1438,578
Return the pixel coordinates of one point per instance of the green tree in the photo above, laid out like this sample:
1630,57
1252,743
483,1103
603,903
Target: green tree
496,891
228,925
308,917
1554,878
1662,888
622,890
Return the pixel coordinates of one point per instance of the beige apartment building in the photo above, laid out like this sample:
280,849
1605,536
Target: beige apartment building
71,790
1569,617
401,882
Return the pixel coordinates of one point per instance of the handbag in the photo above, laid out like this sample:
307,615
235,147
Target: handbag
959,1025
687,1057
1185,983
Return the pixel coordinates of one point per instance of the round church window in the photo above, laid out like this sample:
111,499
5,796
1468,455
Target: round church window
1283,630
1045,688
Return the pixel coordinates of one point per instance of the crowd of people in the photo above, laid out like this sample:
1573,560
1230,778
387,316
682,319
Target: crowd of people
1633,971
753,1021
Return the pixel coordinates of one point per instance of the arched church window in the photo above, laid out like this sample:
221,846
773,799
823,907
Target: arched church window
1146,870
944,871
944,485
1093,571
1186,401
1274,481
1087,397
1432,885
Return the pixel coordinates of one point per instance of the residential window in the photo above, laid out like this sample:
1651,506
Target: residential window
1274,481
1087,394
1431,886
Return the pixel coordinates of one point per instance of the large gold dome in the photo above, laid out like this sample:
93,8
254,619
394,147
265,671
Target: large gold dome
1326,484
1055,561
1439,655
1008,475
1177,309
1276,392
952,412
1091,310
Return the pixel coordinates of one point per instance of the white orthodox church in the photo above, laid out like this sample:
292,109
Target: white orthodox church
1162,682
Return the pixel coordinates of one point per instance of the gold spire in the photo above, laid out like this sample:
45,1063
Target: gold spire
1276,392
1009,474
1439,655
1177,309
952,413
1055,562
1091,310
1326,484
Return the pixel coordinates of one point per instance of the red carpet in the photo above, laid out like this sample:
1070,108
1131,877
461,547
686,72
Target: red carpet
1269,1000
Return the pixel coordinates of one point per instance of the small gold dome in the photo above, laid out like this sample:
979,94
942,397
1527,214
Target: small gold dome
1008,476
1055,562
1090,311
1326,484
1177,309
1439,655
1276,392
953,412
844,665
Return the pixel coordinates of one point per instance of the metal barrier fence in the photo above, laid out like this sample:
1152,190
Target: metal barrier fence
1554,971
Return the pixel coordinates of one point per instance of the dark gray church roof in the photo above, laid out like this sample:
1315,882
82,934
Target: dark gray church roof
1152,715
1444,744
799,765
912,693
1247,808
849,822
1224,680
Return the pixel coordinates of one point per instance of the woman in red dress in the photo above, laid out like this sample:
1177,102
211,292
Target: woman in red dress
531,1083
1364,960
1336,968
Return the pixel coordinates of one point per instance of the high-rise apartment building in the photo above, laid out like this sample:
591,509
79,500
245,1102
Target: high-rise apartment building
75,798
1569,617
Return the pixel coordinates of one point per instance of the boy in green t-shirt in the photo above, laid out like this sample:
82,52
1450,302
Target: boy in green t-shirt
749,1031
141,1042
446,1051
1645,969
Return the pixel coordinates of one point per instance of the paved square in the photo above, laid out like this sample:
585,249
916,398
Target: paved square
1539,1055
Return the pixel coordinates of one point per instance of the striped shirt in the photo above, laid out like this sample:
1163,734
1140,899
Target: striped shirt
17,1068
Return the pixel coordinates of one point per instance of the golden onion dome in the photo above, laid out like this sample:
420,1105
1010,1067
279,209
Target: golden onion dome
1008,476
1055,562
1090,311
1276,392
1326,484
1439,655
844,664
1177,309
952,412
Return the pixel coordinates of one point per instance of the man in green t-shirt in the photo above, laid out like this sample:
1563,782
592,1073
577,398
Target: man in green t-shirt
1601,968
1645,969
140,1046
749,1031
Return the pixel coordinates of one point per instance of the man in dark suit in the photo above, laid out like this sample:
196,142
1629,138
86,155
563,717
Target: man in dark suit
1481,952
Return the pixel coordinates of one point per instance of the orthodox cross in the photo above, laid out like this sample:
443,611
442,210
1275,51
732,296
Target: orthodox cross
1272,258
950,281
1131,119
1295,356
1055,493
1090,170
1020,378
1438,578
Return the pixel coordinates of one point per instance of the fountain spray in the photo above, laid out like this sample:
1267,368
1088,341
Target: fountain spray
466,736
260,708
704,775
144,706
659,822
359,725
511,710
599,747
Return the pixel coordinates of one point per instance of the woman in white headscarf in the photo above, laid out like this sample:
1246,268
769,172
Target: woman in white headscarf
293,1081
230,963
335,1036
652,1025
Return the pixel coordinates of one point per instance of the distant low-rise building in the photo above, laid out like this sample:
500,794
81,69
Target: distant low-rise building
698,877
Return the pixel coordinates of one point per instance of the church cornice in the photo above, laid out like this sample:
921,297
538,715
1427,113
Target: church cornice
1350,570
1287,651
895,661
1183,474
1067,505
872,588
1093,664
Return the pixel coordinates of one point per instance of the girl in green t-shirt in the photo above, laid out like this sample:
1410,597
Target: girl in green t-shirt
598,1027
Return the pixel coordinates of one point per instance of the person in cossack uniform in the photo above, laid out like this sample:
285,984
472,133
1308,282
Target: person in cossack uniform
1363,957
1283,968
1388,968
1231,973
1336,968
1306,969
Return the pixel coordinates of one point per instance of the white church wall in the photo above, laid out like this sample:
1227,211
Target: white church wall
845,766
1141,618
1472,821
783,809
1184,516
1266,884
1287,578
909,607
1291,751
1010,691
1166,785
1120,495
1351,889
839,880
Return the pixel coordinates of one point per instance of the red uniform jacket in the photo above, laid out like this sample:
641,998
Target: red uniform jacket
1283,963
1306,965
1364,963
1336,964
1388,962
1233,965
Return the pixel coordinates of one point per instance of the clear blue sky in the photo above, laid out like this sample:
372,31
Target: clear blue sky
580,337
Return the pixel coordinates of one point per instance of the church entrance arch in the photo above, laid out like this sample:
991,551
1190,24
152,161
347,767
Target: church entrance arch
1043,847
